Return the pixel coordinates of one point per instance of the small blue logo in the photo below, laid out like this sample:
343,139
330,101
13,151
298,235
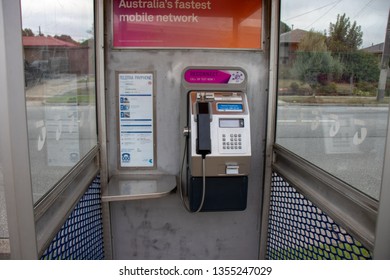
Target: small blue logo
126,157
124,100
125,107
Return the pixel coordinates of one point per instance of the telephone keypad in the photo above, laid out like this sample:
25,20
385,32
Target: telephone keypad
232,142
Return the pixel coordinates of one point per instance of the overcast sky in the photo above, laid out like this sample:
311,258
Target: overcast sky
56,17
371,15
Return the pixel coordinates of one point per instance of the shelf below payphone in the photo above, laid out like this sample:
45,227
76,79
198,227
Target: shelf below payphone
137,187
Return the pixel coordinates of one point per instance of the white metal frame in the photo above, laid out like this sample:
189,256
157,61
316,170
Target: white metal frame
101,118
14,138
271,122
382,234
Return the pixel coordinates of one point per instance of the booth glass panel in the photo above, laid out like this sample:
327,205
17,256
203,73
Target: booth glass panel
59,65
333,87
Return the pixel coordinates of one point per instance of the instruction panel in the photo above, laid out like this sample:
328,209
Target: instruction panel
136,128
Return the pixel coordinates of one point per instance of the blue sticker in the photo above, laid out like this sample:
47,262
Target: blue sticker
126,157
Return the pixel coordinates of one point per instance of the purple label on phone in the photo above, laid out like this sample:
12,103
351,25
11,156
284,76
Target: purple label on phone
212,76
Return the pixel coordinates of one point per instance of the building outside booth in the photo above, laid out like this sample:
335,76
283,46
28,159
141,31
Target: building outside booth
194,130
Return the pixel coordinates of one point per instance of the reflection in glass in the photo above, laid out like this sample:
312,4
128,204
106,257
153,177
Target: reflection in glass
329,109
59,57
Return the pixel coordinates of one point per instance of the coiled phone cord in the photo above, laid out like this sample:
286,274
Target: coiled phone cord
203,181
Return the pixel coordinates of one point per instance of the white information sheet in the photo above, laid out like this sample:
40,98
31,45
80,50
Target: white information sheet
62,135
136,119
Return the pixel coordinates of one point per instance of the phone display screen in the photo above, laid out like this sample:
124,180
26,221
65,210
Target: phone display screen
231,123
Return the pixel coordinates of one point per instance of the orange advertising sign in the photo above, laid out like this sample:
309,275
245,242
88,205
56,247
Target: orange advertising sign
227,24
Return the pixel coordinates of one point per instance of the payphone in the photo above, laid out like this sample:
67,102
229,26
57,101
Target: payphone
217,150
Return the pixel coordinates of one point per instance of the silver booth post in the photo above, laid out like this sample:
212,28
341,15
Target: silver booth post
216,145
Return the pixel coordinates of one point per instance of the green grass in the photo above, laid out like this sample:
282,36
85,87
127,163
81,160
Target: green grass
342,100
291,87
78,96
344,251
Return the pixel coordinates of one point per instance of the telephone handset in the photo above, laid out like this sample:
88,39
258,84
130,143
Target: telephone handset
203,141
